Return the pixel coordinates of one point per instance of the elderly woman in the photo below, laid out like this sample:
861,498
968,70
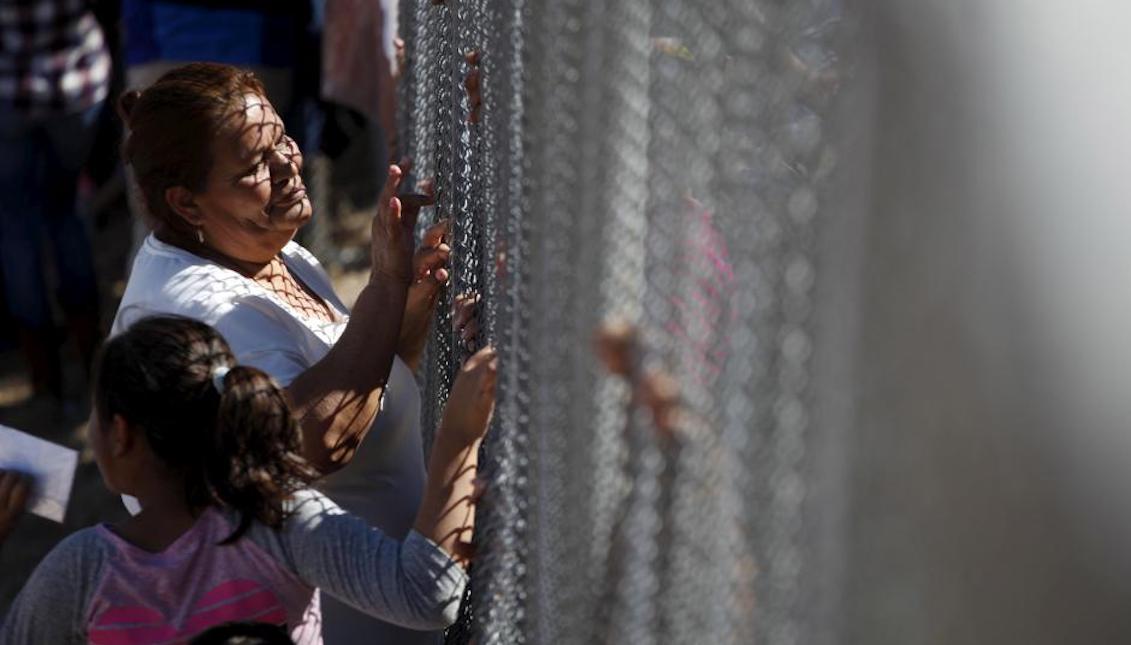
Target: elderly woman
220,179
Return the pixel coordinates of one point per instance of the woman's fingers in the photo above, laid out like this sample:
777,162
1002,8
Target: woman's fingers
437,233
392,183
432,259
431,276
430,270
415,200
406,164
411,204
429,260
388,205
392,245
393,216
397,172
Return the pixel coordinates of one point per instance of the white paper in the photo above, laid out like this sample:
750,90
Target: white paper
51,466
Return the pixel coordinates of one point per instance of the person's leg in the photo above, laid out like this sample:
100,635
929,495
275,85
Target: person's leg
71,137
22,191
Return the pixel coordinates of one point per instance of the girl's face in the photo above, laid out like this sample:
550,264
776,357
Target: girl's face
254,199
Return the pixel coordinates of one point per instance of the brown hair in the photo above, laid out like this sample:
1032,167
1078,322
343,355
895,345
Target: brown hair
171,126
232,435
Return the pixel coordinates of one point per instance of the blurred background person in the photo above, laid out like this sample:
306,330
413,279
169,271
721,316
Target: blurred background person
54,78
358,85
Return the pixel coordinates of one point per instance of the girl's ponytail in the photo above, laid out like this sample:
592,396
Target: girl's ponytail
226,428
253,465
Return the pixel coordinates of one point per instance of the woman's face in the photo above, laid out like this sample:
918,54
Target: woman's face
254,199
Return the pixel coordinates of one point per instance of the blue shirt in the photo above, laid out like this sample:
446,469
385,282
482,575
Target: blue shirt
237,33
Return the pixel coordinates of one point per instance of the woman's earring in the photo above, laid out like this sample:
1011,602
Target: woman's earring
200,235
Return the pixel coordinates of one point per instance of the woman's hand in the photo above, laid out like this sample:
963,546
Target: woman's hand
14,491
471,401
430,271
391,249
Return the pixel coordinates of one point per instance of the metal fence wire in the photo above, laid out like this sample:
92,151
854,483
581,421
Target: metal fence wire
658,163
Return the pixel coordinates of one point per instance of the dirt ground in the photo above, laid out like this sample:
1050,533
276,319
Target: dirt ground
90,502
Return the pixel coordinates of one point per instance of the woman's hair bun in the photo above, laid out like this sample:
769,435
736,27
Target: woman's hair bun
126,103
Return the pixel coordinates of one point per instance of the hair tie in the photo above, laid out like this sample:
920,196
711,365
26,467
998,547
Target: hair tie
218,375
126,103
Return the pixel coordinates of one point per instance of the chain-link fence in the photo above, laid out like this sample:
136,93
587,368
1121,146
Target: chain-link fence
658,163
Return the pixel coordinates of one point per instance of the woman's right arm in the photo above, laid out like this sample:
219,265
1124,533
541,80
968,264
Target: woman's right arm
337,398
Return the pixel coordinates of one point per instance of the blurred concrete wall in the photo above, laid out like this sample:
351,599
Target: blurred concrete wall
978,308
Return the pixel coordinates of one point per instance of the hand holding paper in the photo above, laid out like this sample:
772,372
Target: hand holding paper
51,469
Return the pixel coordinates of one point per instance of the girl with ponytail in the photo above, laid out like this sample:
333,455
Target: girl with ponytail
230,530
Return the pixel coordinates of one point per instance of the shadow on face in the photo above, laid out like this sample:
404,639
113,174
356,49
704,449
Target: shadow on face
254,199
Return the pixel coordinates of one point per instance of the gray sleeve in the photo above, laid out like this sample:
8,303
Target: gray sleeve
53,604
413,583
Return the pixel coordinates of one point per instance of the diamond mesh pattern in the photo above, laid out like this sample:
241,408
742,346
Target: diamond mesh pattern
660,162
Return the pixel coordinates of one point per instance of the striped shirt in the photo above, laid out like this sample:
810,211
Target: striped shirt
53,57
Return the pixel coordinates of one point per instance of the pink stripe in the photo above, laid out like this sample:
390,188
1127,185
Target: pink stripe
235,600
131,635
